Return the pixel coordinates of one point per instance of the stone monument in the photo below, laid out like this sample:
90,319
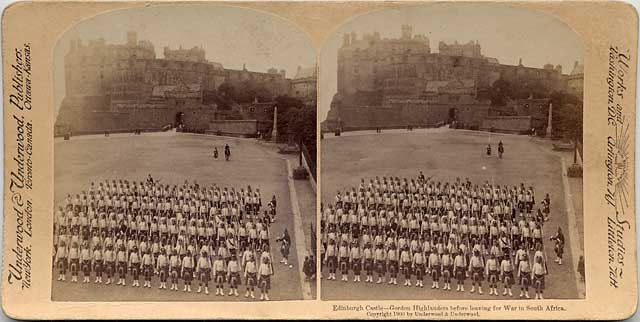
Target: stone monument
274,132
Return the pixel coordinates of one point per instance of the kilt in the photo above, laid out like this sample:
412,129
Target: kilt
265,282
356,265
525,279
251,279
493,276
205,275
419,270
447,271
406,269
368,265
538,278
477,273
332,263
86,266
97,267
187,274
393,267
460,274
135,271
435,272
234,279
148,271
163,272
63,264
74,265
110,268
219,277
381,267
175,273
508,276
344,265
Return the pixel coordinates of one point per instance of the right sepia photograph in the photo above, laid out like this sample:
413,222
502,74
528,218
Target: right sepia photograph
451,155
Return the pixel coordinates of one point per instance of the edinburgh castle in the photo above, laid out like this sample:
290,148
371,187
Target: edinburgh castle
122,87
401,82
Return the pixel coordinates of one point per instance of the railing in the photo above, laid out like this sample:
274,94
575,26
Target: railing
311,165
314,246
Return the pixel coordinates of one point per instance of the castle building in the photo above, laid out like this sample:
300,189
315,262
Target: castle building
399,82
113,87
304,84
575,80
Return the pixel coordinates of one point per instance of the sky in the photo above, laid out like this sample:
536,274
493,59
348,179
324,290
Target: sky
231,36
506,33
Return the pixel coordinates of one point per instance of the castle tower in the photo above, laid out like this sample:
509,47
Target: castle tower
132,38
407,32
346,41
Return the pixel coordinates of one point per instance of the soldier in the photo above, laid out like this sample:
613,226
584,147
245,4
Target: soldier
356,260
187,271
492,274
121,262
97,263
219,271
264,272
476,268
147,267
524,274
558,238
460,264
74,261
85,257
61,260
162,267
233,275
134,266
250,275
506,272
174,268
203,270
434,269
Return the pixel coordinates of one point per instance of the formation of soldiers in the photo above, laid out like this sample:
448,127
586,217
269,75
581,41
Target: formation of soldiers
448,231
166,234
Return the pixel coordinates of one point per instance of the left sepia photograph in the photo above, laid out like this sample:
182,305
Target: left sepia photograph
185,157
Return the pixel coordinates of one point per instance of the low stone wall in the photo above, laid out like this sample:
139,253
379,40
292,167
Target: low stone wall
507,124
245,128
360,118
92,121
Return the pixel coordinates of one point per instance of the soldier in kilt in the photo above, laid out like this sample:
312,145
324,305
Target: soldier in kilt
460,265
418,266
219,272
162,267
447,269
174,269
476,268
250,275
97,263
405,260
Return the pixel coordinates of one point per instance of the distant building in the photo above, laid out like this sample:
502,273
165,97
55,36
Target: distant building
125,86
304,84
397,82
575,81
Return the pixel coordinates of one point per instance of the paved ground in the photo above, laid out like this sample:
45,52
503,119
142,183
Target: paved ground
174,158
446,154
